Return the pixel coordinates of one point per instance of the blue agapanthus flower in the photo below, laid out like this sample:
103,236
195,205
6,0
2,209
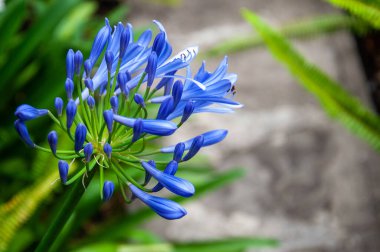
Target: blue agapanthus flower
117,104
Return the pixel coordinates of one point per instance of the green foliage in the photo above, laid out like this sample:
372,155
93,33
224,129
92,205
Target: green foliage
226,245
300,29
367,10
334,99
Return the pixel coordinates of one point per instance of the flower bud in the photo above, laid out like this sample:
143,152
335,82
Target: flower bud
108,118
58,104
70,64
171,169
151,68
91,101
174,184
88,150
52,140
177,92
88,67
159,43
109,60
80,136
166,107
164,81
63,168
89,84
122,79
71,110
69,87
139,100
108,188
26,112
124,41
166,208
114,104
22,130
99,43
194,148
137,129
78,59
107,148
187,111
178,152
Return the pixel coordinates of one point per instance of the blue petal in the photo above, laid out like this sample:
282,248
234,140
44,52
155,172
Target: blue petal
26,112
150,126
210,138
164,207
174,184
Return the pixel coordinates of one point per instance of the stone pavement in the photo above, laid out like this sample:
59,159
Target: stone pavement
309,182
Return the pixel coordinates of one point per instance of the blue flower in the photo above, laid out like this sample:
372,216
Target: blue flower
80,136
171,168
165,208
108,189
210,138
127,93
107,148
22,131
174,184
70,64
78,59
58,104
69,87
26,112
88,150
154,127
218,89
63,168
108,118
71,111
52,140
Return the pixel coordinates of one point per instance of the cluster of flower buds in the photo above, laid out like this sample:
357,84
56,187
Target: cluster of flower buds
133,96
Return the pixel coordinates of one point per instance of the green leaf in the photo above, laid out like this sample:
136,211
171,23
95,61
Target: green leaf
300,29
38,32
10,21
337,102
367,12
113,247
226,245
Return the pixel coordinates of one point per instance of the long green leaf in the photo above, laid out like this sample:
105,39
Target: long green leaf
367,12
333,98
40,31
226,245
300,29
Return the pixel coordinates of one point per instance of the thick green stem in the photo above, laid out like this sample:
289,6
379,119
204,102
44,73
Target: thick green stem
73,195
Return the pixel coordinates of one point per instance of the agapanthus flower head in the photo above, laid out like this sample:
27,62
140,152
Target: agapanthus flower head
128,92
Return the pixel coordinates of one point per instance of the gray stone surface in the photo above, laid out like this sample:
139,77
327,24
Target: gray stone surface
309,183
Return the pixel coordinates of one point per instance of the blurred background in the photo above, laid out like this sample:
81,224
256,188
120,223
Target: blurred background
287,172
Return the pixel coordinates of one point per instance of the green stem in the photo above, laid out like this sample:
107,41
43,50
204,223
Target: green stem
71,200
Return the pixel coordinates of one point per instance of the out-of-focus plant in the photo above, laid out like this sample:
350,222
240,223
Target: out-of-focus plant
334,99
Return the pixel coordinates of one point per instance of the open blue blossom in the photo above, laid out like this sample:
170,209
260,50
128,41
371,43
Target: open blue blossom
126,93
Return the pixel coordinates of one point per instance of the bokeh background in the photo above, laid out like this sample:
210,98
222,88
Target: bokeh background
308,183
